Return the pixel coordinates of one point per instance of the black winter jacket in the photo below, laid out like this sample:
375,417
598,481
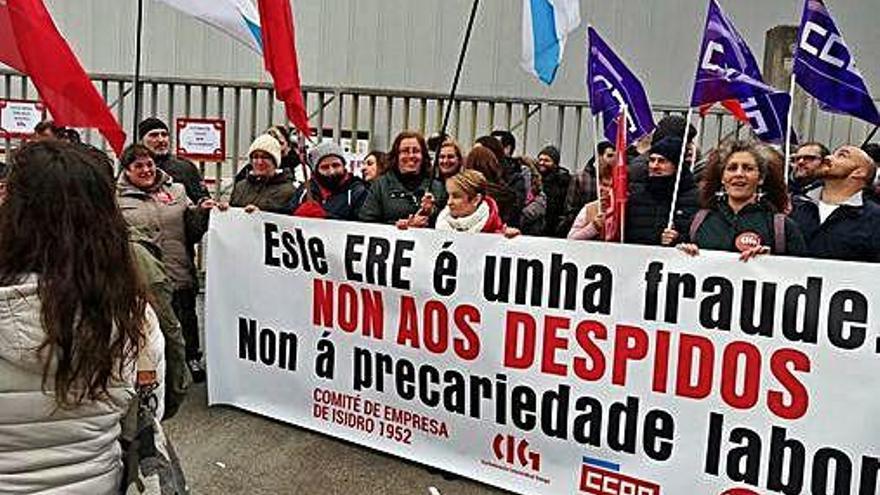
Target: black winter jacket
391,199
184,172
721,227
514,175
555,186
850,233
344,204
650,199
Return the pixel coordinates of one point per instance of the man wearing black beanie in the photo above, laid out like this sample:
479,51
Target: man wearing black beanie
650,200
153,133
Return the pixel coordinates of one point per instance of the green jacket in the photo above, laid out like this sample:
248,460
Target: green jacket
390,199
274,195
721,227
147,260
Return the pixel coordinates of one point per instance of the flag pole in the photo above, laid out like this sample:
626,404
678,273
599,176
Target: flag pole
461,55
687,125
595,120
697,140
622,211
137,70
870,136
788,127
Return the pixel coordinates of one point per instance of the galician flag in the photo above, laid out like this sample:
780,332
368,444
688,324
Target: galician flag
237,18
546,25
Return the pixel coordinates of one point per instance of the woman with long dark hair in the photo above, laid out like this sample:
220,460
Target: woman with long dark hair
743,200
72,318
407,194
483,160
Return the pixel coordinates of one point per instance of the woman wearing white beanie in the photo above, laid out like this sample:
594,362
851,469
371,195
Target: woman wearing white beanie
266,187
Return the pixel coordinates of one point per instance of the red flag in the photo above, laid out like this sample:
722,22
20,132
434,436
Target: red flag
616,213
732,106
30,43
279,56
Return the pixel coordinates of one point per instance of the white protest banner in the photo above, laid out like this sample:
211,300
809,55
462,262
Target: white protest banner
545,366
18,118
201,139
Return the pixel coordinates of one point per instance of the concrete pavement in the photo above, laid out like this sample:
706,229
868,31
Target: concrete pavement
228,451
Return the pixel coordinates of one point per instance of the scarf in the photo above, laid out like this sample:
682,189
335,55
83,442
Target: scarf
475,222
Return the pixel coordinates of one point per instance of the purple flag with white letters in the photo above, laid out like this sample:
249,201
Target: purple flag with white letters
727,69
825,67
767,115
611,84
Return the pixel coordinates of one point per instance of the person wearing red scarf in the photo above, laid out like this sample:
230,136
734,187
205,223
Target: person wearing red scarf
332,191
469,209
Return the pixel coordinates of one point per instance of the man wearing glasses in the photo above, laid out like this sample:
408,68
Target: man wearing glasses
805,163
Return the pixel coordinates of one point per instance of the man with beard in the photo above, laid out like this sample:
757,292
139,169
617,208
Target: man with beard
332,191
804,167
837,221
555,179
153,133
650,200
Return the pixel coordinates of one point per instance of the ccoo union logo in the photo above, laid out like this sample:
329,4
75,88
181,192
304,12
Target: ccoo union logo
600,477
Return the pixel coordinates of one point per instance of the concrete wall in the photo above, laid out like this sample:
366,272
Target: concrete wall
413,44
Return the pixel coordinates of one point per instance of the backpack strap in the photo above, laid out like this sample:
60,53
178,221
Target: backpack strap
697,222
779,233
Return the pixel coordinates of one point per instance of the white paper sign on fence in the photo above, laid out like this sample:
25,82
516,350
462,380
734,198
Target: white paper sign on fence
201,139
545,366
18,118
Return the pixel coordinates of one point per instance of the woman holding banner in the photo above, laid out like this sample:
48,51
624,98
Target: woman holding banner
406,195
742,200
589,225
469,208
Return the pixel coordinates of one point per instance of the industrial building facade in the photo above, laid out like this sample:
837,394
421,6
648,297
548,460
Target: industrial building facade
381,65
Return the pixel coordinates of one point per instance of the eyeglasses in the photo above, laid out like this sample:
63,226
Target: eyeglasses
810,158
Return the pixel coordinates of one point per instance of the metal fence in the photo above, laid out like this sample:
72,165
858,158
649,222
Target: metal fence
377,115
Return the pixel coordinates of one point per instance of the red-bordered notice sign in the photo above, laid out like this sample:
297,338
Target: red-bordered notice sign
201,139
18,118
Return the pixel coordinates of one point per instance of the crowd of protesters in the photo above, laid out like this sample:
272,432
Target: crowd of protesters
98,267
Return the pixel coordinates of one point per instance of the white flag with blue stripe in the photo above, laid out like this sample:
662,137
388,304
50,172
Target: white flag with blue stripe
546,25
237,18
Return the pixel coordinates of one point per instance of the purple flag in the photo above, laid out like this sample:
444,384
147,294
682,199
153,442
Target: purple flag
825,68
611,84
727,70
767,115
